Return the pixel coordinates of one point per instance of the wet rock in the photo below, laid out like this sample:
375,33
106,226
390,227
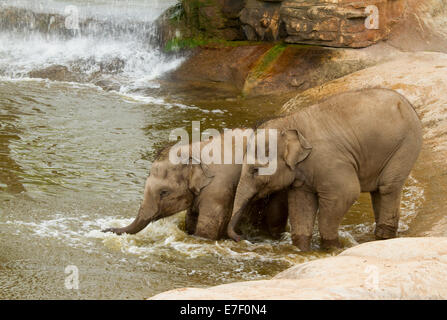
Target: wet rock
405,268
299,68
108,85
228,65
115,65
261,69
25,20
56,73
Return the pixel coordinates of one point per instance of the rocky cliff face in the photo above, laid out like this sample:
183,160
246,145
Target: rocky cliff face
342,23
274,28
336,23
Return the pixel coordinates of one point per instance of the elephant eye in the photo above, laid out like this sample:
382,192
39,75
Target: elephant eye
254,171
163,193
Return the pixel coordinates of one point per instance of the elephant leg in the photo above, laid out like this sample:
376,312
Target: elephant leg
303,206
212,220
332,208
191,221
375,200
275,214
387,222
390,187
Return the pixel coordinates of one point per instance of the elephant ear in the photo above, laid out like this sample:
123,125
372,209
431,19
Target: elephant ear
200,176
297,148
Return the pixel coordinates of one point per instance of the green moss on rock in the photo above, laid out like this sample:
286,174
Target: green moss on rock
263,66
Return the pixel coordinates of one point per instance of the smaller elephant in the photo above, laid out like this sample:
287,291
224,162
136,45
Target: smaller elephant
328,153
207,193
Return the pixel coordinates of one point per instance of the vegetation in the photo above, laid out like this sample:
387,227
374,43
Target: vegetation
176,13
267,60
179,43
263,66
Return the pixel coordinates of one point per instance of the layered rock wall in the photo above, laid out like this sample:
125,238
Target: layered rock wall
342,23
336,23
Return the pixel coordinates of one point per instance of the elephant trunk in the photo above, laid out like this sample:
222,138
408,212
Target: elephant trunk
146,215
241,201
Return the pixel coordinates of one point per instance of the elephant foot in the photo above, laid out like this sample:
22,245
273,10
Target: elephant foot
302,242
207,234
330,244
384,232
275,234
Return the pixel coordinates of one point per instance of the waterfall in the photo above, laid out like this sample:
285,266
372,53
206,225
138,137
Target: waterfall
93,39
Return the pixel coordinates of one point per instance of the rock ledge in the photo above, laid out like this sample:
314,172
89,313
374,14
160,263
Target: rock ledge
403,268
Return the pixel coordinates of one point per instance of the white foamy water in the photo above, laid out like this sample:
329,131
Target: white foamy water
146,10
165,236
119,34
19,56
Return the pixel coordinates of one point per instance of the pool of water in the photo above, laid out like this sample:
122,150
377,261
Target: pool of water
74,159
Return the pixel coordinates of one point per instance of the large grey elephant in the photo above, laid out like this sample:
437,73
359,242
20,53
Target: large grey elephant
328,153
207,193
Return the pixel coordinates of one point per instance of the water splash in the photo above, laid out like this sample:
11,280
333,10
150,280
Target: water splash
116,41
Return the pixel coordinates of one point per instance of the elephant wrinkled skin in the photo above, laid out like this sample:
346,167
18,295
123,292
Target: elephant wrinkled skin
328,153
207,193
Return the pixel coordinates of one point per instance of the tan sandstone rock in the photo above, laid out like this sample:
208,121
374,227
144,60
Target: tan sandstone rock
340,23
404,268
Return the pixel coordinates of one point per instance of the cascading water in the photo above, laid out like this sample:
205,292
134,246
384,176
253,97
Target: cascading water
94,40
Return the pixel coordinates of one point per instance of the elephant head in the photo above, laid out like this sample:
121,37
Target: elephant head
292,149
169,189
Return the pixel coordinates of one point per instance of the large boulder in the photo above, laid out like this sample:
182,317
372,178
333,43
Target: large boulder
228,66
56,73
405,268
341,23
256,69
423,27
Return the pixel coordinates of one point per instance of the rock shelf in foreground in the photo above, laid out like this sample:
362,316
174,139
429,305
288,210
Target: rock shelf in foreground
403,268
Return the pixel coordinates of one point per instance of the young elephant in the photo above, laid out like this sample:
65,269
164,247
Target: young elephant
361,141
207,193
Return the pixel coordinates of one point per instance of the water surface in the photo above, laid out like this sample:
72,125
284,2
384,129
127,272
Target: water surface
74,159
